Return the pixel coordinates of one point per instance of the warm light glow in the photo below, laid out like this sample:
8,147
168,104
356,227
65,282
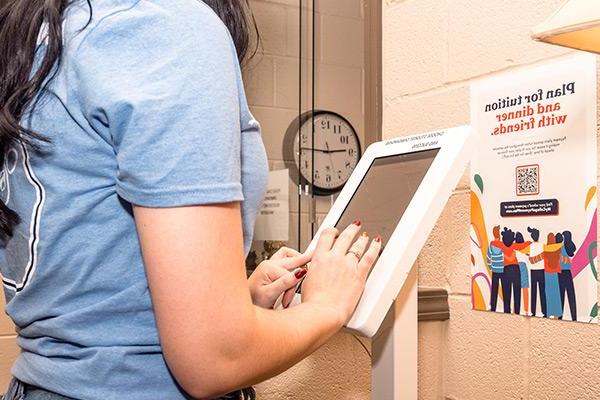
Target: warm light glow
576,24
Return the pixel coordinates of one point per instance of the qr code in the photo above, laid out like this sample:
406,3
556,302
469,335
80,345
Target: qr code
528,180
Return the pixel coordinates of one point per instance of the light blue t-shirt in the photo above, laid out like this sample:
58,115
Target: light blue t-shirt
147,108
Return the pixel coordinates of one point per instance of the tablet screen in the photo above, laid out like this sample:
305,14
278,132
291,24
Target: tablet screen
385,191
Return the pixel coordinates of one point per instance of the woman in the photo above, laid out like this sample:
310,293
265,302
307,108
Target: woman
495,262
512,273
523,258
138,174
565,277
551,270
538,282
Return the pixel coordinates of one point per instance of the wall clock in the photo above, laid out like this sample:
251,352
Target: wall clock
336,150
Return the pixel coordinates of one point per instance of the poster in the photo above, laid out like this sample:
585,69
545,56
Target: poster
533,191
272,222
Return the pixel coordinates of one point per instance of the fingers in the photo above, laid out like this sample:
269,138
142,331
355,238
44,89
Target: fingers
284,252
344,241
300,260
358,248
326,240
368,259
287,283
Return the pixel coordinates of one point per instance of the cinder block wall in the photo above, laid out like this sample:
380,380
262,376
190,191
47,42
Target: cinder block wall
432,51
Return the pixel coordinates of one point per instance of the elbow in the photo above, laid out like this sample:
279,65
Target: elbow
202,383
210,383
217,370
203,391
215,360
198,393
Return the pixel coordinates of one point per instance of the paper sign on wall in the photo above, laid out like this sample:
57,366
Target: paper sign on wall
533,191
273,218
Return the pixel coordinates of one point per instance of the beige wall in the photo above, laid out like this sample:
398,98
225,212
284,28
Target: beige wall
433,50
8,346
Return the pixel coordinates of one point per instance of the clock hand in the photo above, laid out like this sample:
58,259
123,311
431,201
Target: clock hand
310,148
323,150
330,158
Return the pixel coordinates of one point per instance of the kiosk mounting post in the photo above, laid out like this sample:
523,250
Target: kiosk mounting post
394,348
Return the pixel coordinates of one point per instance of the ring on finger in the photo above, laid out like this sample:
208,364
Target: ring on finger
355,254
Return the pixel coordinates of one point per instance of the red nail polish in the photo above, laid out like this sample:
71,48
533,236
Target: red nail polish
357,222
300,274
378,239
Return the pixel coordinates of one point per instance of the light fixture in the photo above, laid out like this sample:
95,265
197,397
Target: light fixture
576,24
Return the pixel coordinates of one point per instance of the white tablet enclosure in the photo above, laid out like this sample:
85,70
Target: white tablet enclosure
398,190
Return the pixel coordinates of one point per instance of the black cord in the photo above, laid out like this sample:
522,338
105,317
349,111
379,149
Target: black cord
363,346
243,394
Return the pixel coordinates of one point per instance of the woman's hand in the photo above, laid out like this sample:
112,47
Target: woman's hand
277,275
339,269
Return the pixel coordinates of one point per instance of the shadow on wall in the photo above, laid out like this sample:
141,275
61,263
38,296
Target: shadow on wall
341,369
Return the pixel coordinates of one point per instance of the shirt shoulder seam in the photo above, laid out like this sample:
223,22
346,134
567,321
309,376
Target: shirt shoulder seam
92,29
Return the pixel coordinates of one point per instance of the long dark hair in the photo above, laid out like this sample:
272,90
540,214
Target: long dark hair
20,23
570,246
238,18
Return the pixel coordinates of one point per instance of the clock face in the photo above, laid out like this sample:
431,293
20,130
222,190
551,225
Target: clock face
336,151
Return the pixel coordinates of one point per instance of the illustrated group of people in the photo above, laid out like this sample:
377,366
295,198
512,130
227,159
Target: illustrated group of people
517,264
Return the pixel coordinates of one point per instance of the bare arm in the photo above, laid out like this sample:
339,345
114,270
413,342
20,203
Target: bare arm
213,338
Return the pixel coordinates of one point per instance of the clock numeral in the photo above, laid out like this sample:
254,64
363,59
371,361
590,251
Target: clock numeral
337,129
326,125
350,152
344,139
348,165
328,178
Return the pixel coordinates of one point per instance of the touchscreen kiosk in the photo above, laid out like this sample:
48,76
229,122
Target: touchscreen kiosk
386,191
397,190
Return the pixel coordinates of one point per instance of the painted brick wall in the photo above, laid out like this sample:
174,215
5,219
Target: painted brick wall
433,50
